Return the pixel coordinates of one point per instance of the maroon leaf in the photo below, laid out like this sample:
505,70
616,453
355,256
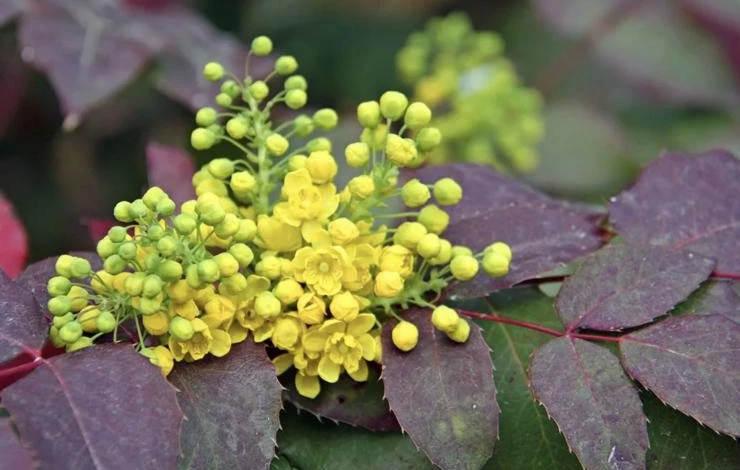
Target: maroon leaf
622,286
104,407
13,240
22,326
232,407
171,169
347,401
691,363
15,456
37,275
89,49
543,233
443,394
598,410
9,9
685,201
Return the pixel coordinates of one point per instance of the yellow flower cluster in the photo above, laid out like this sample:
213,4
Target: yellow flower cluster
272,249
490,117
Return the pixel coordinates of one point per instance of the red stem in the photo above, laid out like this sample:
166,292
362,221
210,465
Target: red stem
725,275
532,326
19,369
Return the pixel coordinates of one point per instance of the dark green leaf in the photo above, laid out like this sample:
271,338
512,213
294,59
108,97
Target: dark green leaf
597,408
232,406
443,394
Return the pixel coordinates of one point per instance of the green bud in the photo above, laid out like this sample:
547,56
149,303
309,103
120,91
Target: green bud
152,196
303,125
122,212
325,118
462,331
105,322
60,305
417,116
79,268
235,284
208,271
227,264
230,88
464,268
155,232
428,139
296,82
166,207
114,264
134,284
296,99
82,343
459,250
70,332
58,285
429,246
191,276
357,154
170,270
259,90
149,305
227,227
206,116
285,65
181,329
237,127
61,320
261,46
138,209
414,193
221,168
105,247
200,139
296,162
246,232
495,264
276,144
167,246
318,144
213,71
434,219
368,114
127,251
151,262
393,104
224,100
117,234
185,224
447,192
152,285
242,253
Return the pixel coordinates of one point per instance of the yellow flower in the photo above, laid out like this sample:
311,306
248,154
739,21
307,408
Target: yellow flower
343,231
399,150
324,269
287,333
344,306
363,256
311,308
156,324
163,359
397,258
194,348
305,201
344,346
388,284
278,236
321,166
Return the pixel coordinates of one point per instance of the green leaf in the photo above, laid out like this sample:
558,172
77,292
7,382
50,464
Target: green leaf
307,444
677,442
527,437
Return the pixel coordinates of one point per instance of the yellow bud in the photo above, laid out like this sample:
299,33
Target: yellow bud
462,331
414,193
417,116
500,248
447,192
321,166
227,264
409,234
388,284
344,306
445,253
267,305
246,232
296,98
180,292
288,291
343,231
242,183
297,162
311,309
325,119
157,324
361,186
429,245
87,320
375,138
397,258
368,114
220,168
399,150
269,267
357,154
459,250
434,219
237,127
286,334
213,71
393,104
445,319
227,227
261,46
405,336
276,144
464,267
495,264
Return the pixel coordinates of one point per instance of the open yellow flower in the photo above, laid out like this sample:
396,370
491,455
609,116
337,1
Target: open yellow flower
276,235
194,348
344,346
324,269
305,201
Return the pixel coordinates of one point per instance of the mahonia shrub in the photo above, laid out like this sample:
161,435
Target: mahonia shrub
485,113
272,248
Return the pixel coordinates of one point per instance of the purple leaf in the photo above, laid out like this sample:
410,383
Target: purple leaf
691,363
443,394
37,275
543,233
350,402
232,407
171,169
623,286
103,407
685,201
598,410
713,297
9,9
15,455
22,326
89,49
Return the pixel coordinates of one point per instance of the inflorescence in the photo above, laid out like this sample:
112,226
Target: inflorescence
272,248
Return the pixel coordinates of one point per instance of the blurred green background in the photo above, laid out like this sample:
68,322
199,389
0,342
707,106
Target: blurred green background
620,86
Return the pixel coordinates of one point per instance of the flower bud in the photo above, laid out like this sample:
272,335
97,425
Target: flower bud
296,99
393,104
122,212
167,246
79,268
261,46
459,250
60,305
303,125
434,219
87,319
409,234
81,343
325,118
237,127
285,65
61,320
227,227
128,251
296,82
105,322
428,138
417,116
495,264
276,144
462,331
500,248
242,183
447,192
235,284
242,253
213,71
58,285
368,114
375,138
414,193
319,144
200,139
445,319
114,264
464,268
357,154
209,208
152,286
227,264
286,334
344,307
221,168
343,231
134,284
296,162
267,305
311,309
399,150
405,336
230,88
321,166
117,234
208,271
259,90
224,100
170,270
206,116
269,267
429,246
445,253
70,332
185,224
397,258
388,284
155,232
361,186
181,329
246,232
288,291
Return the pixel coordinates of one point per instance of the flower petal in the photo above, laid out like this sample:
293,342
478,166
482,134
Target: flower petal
313,341
361,325
328,370
282,363
221,344
368,347
333,326
307,385
360,375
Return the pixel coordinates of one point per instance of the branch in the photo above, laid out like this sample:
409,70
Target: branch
726,275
